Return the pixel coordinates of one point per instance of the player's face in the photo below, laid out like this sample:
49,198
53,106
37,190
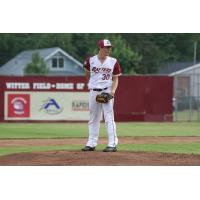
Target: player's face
106,51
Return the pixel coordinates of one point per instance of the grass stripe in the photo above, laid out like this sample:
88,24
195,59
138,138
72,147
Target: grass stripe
63,130
192,148
12,150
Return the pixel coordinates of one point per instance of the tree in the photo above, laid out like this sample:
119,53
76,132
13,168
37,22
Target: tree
37,66
152,54
129,59
141,53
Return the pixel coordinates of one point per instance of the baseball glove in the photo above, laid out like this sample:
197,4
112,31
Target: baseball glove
104,97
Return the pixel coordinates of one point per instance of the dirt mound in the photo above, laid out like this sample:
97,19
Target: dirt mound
97,158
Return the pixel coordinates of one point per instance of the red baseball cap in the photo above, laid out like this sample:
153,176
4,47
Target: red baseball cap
104,43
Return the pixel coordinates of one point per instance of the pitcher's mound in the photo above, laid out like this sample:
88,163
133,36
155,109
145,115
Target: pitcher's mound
97,158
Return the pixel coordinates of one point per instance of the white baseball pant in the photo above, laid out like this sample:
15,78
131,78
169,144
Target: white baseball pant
95,118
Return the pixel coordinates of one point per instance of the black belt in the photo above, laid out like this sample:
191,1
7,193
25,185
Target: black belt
99,90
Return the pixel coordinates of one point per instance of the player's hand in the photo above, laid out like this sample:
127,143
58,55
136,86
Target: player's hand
112,93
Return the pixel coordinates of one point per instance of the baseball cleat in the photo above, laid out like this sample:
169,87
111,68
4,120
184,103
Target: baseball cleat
110,149
88,148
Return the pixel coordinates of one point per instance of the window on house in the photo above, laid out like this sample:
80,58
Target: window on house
61,62
54,62
57,63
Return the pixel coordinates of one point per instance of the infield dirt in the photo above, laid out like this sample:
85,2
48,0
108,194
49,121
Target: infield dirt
98,158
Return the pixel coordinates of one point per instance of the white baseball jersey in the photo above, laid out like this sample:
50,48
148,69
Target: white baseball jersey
101,73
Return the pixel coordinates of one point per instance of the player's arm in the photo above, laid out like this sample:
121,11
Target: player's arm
87,74
86,67
114,85
116,74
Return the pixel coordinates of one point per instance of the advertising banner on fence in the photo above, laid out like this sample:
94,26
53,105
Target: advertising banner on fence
43,98
46,106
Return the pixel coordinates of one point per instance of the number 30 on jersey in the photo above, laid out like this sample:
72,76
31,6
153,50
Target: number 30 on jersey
105,76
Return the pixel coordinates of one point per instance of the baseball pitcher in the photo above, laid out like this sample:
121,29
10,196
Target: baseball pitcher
102,72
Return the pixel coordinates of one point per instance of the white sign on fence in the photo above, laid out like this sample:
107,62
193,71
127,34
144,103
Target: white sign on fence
72,106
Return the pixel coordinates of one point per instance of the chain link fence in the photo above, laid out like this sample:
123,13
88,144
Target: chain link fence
186,101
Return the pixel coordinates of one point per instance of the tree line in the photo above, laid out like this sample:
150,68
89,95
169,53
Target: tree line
138,53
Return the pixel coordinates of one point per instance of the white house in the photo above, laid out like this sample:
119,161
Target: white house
187,81
186,101
186,78
58,62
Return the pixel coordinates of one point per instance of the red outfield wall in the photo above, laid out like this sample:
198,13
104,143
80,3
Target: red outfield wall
144,98
138,98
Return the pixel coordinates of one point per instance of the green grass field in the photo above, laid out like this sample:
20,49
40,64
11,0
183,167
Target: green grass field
64,130
186,115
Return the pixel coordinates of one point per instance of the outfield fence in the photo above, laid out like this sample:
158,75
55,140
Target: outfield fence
40,98
186,101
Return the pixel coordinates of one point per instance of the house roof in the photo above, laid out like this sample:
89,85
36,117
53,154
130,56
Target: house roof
17,64
191,68
170,68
